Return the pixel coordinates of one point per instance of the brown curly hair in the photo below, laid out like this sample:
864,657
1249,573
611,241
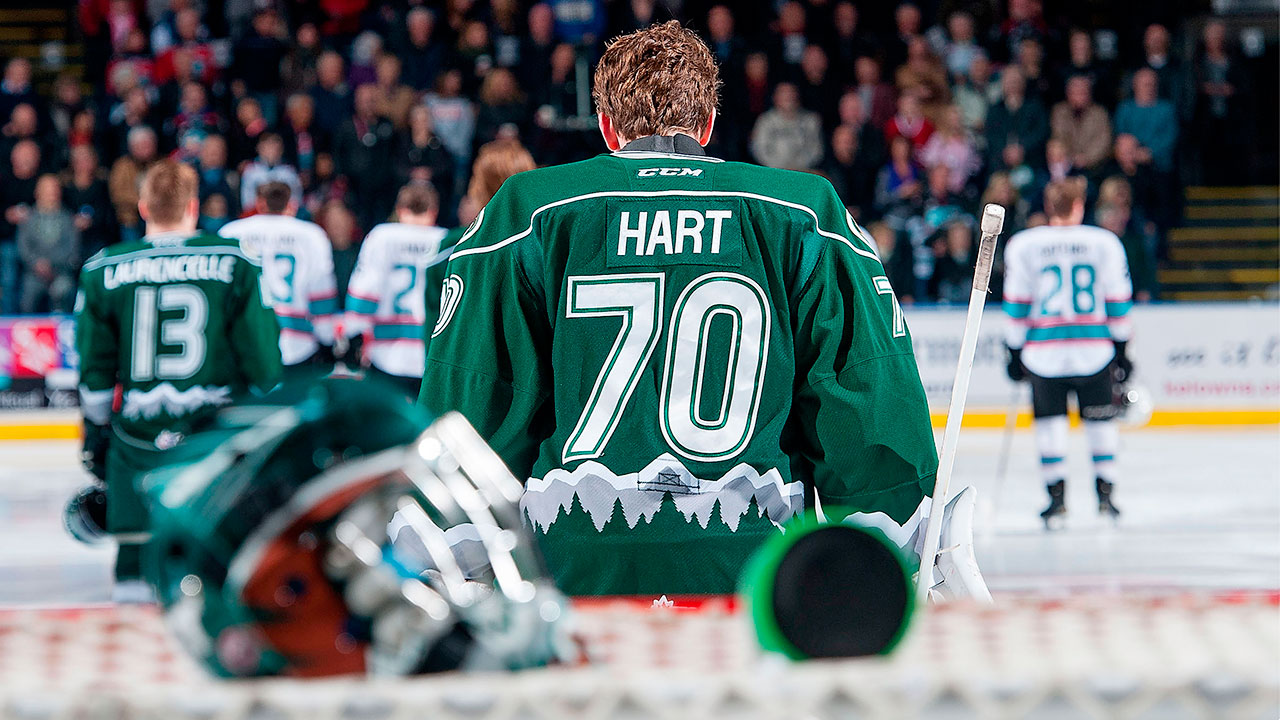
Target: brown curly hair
656,81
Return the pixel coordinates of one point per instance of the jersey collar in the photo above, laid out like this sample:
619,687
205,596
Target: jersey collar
678,144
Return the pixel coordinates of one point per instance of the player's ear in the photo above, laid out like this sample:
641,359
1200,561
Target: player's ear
143,212
705,136
610,134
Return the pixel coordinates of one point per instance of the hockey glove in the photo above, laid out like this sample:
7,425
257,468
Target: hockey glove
94,453
1122,367
85,516
1017,373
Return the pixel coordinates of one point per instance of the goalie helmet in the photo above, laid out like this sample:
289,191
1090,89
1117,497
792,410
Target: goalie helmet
273,553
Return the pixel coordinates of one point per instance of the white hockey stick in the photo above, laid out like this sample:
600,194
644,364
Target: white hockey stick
992,223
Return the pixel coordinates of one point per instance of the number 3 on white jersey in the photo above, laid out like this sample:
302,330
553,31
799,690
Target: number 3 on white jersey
638,300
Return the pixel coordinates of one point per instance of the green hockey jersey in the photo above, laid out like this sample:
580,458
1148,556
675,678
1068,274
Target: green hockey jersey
677,352
179,323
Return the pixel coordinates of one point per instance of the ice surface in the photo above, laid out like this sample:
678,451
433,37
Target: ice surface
1201,510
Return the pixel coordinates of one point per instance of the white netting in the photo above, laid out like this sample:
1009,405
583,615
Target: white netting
1185,656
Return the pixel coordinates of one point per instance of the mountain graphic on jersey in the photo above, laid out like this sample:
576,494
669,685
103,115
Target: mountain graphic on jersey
638,497
167,399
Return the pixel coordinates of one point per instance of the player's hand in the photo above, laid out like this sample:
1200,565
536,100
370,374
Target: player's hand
1016,371
94,453
1122,366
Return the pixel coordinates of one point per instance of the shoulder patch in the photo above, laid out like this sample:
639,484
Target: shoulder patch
450,297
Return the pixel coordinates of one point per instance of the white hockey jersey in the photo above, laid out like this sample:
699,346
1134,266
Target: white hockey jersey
297,276
386,295
1067,294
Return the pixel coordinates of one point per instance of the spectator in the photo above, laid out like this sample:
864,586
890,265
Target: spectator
959,49
1082,126
907,23
15,87
951,146
192,45
787,136
268,166
68,101
791,41
1116,218
214,213
724,42
1025,21
505,18
49,245
85,193
535,53
1171,79
194,120
1016,120
249,125
133,112
454,118
909,123
17,195
423,158
849,42
340,225
362,154
895,256
215,178
23,125
973,95
132,65
258,58
1221,117
1001,191
953,263
869,139
850,171
1031,63
325,185
755,96
877,97
331,94
817,90
1058,163
1082,62
503,110
898,185
126,178
392,98
1151,194
365,50
925,78
1151,120
422,55
300,137
938,208
474,55
84,131
298,71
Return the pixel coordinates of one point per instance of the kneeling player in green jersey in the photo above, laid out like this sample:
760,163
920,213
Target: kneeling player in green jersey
678,353
176,321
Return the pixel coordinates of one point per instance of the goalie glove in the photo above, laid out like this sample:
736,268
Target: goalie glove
956,574
85,516
1122,366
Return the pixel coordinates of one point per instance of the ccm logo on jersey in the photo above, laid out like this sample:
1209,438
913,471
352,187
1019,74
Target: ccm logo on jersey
669,172
450,296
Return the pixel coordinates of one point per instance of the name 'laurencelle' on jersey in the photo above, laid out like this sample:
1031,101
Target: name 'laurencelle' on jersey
676,352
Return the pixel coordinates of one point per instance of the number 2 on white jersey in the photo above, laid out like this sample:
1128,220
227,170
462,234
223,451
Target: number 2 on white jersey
638,300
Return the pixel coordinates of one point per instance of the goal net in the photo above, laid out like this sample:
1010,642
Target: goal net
1160,657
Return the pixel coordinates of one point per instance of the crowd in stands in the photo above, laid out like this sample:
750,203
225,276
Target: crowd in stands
916,118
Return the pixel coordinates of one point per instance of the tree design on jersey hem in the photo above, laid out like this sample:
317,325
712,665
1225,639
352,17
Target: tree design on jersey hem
741,492
667,524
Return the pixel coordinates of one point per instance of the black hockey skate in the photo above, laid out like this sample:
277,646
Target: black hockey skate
1105,506
1057,510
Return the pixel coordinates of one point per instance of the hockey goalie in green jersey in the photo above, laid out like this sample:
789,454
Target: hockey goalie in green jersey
677,353
177,322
